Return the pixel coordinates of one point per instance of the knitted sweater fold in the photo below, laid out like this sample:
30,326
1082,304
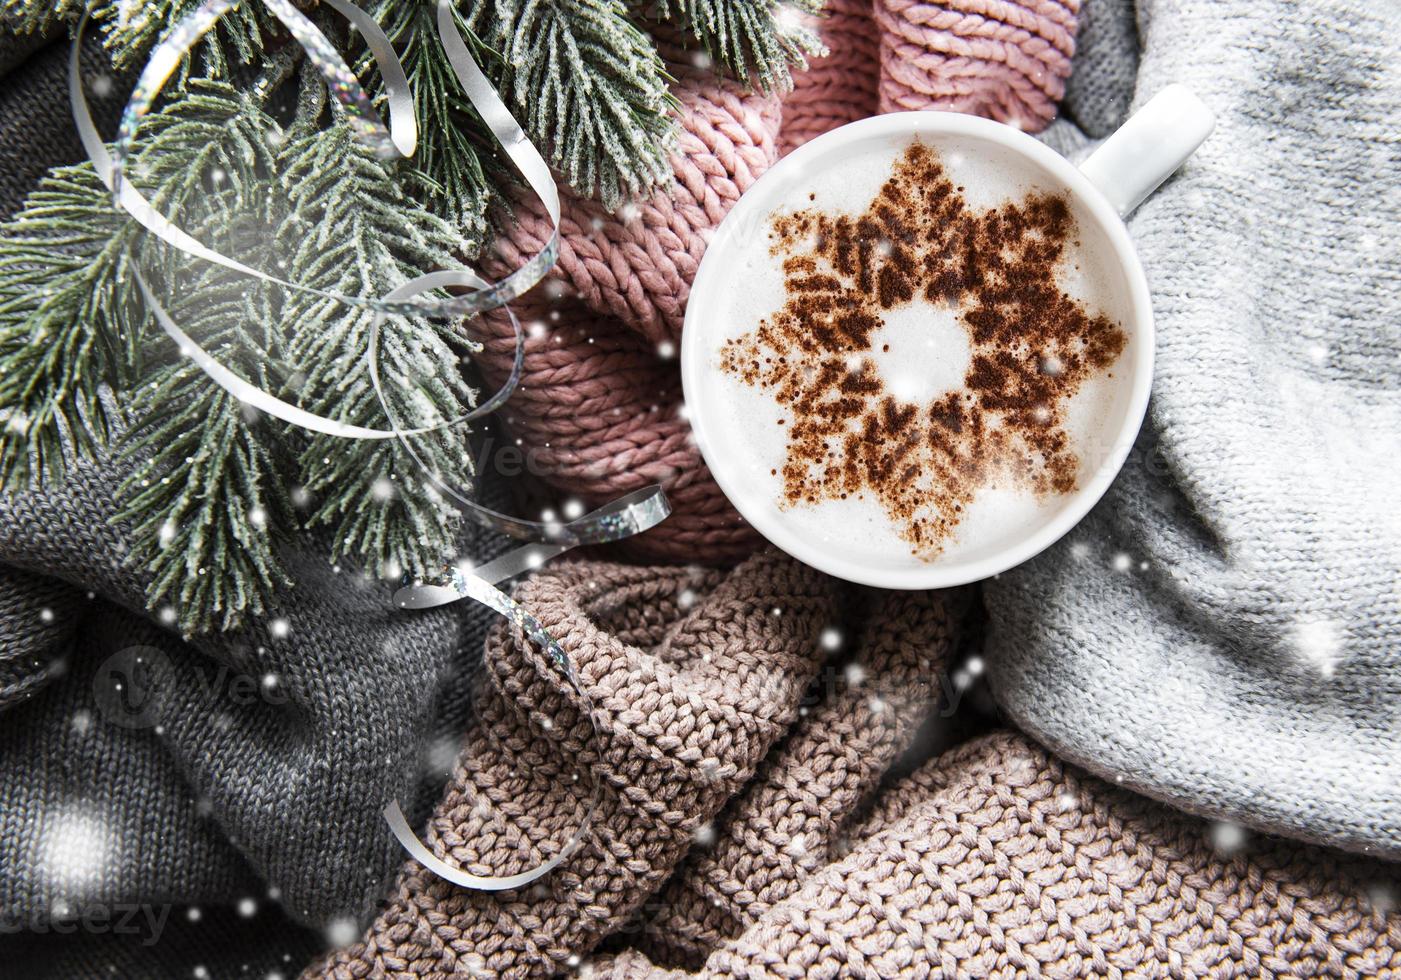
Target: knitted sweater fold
997,860
692,676
772,806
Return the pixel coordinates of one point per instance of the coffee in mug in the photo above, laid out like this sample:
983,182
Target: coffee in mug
929,352
919,348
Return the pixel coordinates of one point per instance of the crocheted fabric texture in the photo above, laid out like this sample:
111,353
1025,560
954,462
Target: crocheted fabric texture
755,821
600,408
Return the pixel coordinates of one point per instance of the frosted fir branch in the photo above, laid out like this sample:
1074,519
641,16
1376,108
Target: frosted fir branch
71,321
203,489
354,232
459,164
756,41
588,85
206,493
60,308
206,496
208,499
131,28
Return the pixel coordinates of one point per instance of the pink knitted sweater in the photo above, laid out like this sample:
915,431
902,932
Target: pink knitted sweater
600,409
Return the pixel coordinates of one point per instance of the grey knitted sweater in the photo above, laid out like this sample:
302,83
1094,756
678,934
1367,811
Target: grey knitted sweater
1224,631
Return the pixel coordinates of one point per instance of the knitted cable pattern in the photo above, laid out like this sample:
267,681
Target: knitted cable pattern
996,860
693,676
754,822
999,58
841,86
600,410
792,819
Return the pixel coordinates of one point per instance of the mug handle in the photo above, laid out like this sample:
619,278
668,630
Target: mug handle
1143,152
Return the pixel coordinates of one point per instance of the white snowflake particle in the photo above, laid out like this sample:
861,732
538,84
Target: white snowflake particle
831,639
74,851
1227,838
341,932
1318,644
1382,898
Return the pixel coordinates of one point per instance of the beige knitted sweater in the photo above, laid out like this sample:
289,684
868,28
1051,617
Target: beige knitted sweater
774,804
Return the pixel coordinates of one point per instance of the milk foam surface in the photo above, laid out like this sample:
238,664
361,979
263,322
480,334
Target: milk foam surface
929,353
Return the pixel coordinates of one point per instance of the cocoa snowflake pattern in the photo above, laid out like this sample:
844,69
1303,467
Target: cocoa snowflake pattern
1031,348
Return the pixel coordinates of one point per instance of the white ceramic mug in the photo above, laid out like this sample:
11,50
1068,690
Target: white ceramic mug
1120,174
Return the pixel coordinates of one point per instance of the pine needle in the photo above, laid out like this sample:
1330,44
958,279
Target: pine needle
588,85
354,231
757,41
132,27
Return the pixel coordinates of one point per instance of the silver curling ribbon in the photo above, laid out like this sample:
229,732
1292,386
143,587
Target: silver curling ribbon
623,518
480,584
109,168
399,138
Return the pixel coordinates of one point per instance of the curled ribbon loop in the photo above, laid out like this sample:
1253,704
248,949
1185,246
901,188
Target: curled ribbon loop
346,88
631,514
255,397
627,515
399,139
